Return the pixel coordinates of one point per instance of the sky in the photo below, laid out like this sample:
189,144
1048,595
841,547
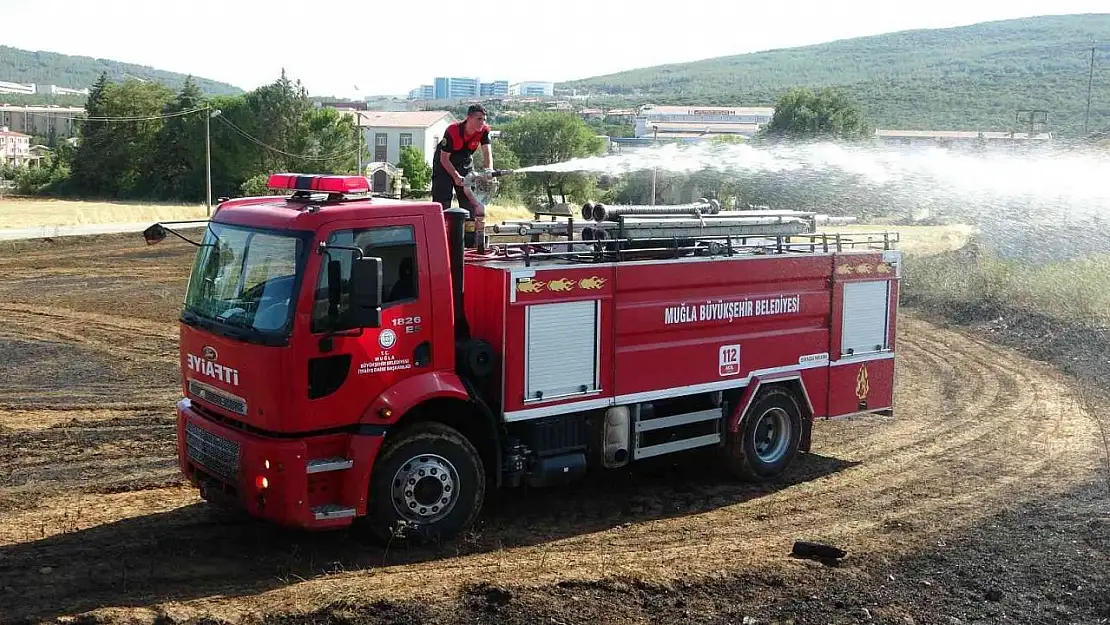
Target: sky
356,49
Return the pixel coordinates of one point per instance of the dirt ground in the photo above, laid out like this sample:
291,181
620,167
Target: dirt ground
984,499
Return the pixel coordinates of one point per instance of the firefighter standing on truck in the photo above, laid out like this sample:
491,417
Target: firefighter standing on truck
454,159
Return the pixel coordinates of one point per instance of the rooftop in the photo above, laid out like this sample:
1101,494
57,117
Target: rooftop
63,110
709,110
958,134
402,119
702,128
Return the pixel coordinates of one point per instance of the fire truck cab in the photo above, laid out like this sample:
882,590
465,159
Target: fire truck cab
344,358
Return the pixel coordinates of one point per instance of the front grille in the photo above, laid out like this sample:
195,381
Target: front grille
215,453
213,395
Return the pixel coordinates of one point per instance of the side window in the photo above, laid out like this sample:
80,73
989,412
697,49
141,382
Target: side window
395,245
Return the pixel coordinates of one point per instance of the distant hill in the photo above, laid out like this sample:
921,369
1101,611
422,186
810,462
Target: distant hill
971,77
79,72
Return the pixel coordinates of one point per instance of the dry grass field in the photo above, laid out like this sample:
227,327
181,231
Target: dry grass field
979,501
31,213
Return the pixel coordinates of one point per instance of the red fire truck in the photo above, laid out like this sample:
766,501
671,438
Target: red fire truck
344,358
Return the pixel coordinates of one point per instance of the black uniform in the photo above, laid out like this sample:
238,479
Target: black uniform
460,147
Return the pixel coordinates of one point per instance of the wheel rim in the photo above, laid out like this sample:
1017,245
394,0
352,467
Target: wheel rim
772,435
425,488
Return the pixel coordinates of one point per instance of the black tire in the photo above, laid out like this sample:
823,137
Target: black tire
421,459
749,454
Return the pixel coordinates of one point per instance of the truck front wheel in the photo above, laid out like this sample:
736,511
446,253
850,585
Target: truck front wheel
427,484
768,438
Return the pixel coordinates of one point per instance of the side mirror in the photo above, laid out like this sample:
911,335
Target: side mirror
154,234
366,292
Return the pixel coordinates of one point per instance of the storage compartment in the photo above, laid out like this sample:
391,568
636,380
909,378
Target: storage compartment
561,350
865,316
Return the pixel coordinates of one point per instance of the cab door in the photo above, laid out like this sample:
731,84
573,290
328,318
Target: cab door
350,366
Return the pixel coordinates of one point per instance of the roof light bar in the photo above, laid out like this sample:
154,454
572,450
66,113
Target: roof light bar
317,182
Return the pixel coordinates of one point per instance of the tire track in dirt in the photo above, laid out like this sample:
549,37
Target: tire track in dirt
126,337
125,452
64,359
977,428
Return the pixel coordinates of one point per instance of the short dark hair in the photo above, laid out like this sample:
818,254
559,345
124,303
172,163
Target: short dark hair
475,108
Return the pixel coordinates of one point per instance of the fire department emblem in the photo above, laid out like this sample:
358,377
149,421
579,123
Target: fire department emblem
387,338
560,285
528,285
863,387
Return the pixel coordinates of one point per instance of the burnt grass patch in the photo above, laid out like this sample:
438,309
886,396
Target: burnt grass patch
41,374
1058,572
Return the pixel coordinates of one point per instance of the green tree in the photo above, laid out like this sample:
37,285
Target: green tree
113,154
176,166
417,171
327,140
828,113
552,137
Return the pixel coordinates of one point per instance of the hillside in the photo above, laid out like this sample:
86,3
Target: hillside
78,72
972,77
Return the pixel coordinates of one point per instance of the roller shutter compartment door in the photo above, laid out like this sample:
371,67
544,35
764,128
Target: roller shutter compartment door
561,356
865,317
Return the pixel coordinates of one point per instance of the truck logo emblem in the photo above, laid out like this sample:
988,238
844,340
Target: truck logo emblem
387,339
562,284
209,352
863,387
593,282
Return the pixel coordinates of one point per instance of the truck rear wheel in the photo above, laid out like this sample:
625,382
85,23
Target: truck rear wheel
427,484
768,438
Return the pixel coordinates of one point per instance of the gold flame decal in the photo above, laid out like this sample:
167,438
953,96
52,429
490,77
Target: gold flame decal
593,282
562,284
863,387
528,285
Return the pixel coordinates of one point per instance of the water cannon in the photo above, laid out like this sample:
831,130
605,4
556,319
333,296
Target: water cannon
480,186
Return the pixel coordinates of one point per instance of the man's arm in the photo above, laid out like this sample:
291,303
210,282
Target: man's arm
487,150
445,161
487,154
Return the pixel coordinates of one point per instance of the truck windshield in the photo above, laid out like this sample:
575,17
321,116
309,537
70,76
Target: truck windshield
244,278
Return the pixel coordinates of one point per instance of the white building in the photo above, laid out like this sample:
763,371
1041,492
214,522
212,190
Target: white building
15,147
386,132
955,138
687,122
41,120
17,87
532,88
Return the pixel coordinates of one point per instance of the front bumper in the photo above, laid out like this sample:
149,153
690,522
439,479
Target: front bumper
269,477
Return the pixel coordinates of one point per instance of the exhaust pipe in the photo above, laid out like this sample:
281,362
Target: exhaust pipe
456,239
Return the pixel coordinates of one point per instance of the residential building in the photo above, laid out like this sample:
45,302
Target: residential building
386,132
41,120
15,147
456,88
494,89
695,122
532,88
